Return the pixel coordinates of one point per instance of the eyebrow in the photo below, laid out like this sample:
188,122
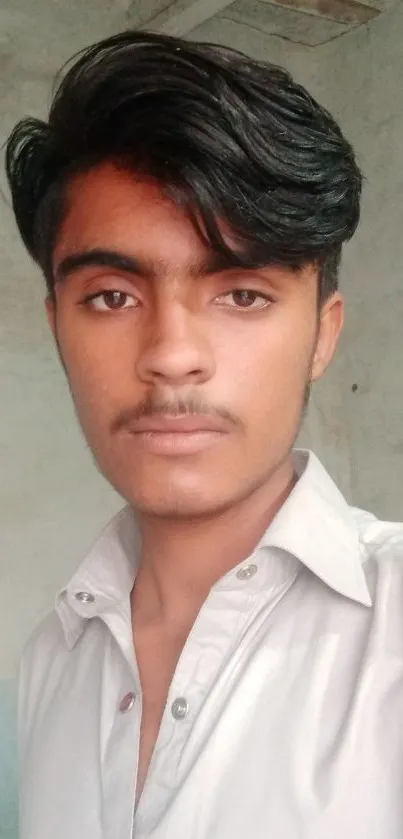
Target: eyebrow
148,269
97,257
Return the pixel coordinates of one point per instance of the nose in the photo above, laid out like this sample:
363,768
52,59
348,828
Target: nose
175,349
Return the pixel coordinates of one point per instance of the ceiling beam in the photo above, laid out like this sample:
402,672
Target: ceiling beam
342,11
184,15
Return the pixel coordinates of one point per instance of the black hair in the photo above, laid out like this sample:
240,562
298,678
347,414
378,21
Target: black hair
227,137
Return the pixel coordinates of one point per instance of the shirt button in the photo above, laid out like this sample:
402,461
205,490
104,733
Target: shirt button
247,572
85,597
180,708
127,702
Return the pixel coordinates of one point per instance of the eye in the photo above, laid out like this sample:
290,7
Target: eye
108,301
243,298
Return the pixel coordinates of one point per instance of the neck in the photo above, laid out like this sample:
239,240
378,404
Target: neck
182,559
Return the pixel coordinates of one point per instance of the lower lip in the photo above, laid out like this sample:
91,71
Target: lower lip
177,443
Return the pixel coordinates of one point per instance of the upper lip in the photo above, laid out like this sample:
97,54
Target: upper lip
184,424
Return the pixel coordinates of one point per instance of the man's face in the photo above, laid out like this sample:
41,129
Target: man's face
189,380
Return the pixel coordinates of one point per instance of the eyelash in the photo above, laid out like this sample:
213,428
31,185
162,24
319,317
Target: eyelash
99,294
258,294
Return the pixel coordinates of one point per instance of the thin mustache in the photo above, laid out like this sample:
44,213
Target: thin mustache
178,408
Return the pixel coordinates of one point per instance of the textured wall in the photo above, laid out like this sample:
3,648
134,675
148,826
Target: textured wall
52,501
359,78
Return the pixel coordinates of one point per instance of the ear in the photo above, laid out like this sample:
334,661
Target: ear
50,304
330,327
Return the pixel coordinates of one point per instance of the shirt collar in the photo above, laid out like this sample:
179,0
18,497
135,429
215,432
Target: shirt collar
106,576
315,526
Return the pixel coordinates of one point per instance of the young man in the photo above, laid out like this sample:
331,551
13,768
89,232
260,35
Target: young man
228,661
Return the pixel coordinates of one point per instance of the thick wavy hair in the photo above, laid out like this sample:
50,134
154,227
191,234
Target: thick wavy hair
227,138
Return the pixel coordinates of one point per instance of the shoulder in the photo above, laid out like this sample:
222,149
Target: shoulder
381,540
45,641
381,550
41,656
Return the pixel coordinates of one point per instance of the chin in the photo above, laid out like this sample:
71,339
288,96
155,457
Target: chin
184,490
171,500
175,504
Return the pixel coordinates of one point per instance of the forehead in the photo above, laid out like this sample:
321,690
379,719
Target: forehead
112,207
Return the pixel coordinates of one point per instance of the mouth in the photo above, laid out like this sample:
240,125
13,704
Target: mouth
177,435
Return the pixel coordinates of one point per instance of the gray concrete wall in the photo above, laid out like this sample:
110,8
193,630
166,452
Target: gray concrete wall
52,501
359,78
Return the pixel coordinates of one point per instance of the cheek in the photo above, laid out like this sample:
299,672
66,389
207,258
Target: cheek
268,363
98,368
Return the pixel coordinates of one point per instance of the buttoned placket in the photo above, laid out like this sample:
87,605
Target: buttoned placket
208,649
119,743
125,734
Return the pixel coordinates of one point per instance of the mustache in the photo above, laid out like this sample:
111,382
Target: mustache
152,406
